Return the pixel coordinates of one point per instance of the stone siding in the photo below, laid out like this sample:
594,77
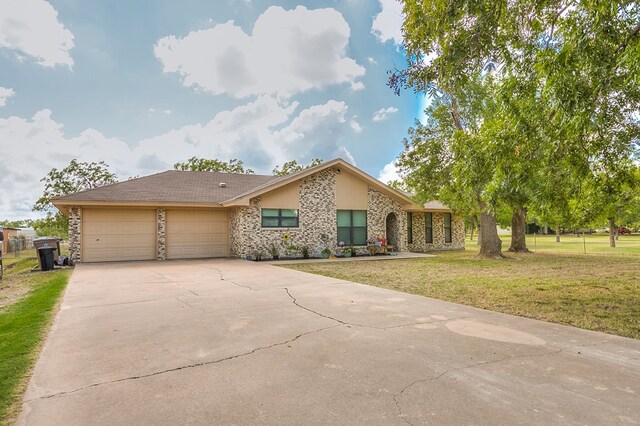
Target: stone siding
75,235
380,206
457,233
161,246
317,222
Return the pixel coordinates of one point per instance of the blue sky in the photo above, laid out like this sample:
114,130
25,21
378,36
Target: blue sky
144,84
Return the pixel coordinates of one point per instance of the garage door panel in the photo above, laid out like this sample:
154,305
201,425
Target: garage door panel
197,234
118,228
115,235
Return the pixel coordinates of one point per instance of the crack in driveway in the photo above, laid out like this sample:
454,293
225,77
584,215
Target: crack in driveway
190,305
184,367
396,397
222,278
375,327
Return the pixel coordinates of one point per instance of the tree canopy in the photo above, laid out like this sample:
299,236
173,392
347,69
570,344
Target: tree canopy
530,101
292,167
77,176
212,165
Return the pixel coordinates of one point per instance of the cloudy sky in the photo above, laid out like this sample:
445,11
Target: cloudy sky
142,85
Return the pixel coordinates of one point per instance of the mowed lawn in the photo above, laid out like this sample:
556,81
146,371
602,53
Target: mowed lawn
28,302
596,291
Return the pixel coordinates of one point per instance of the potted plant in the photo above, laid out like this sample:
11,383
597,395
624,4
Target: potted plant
352,251
347,251
275,253
257,255
325,253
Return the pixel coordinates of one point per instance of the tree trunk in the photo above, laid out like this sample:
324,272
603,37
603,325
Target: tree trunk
473,225
518,228
491,245
557,234
613,230
476,220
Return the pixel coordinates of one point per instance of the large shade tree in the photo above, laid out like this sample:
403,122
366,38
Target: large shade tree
564,79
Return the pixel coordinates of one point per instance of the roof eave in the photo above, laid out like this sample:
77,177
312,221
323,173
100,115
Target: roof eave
65,204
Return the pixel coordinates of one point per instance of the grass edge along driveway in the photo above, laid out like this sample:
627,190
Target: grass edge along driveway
594,292
23,327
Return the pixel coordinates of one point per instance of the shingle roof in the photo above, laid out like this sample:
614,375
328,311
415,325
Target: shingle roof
435,205
175,186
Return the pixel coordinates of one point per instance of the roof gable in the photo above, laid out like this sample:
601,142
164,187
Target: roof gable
338,163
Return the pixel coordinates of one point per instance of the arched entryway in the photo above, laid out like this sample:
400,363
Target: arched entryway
393,230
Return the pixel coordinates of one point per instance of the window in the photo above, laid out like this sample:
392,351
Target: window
447,227
428,228
410,227
352,227
279,218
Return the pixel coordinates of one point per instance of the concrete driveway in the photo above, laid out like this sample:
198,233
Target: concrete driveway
235,342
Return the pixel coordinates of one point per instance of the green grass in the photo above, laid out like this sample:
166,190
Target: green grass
570,243
23,325
594,291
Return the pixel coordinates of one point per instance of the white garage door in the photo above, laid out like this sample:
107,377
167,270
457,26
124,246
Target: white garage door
112,235
197,234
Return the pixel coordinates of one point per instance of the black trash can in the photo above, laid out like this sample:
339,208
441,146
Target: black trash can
46,258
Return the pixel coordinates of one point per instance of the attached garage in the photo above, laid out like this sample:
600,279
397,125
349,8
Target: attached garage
110,235
193,234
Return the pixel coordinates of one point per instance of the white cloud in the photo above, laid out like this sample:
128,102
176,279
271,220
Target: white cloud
5,93
355,126
315,132
32,28
358,85
263,133
167,111
287,52
389,173
43,146
388,23
383,113
372,61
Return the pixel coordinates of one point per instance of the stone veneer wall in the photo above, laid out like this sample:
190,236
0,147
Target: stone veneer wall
380,205
75,235
317,221
457,233
161,246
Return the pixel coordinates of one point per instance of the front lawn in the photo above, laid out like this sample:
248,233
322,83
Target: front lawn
571,243
594,291
28,302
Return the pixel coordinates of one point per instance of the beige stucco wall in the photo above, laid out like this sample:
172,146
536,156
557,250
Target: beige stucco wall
351,192
287,197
